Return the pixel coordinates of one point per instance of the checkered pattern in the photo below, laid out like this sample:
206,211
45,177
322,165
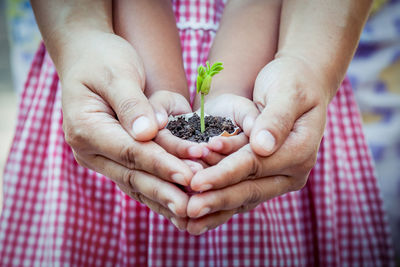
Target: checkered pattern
58,213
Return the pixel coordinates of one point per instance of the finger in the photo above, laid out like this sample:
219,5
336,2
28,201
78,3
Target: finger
212,158
166,103
212,221
203,164
157,190
183,149
241,165
280,108
132,108
242,111
239,197
105,136
295,157
193,165
178,222
227,145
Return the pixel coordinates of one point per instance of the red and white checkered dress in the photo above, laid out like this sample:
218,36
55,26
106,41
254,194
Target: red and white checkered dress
59,213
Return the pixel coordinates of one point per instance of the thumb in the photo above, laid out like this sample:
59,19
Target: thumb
240,109
133,109
245,114
167,103
279,111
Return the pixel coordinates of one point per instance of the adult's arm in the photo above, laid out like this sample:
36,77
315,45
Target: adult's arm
107,119
316,42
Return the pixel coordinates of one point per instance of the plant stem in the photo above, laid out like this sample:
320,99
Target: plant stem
202,124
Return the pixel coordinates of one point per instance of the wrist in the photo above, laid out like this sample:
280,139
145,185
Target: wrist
225,83
309,71
69,48
174,80
62,23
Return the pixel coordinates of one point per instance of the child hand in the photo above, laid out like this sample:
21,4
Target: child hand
242,112
238,108
293,103
165,104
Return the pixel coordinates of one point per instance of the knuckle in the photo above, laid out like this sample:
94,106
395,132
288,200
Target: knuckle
255,194
129,179
252,163
155,193
80,161
223,202
298,183
137,196
159,210
310,162
246,208
299,95
74,136
140,198
107,78
126,106
280,122
302,171
255,164
306,156
128,156
157,165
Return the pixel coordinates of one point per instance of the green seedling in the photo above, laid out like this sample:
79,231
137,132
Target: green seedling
203,85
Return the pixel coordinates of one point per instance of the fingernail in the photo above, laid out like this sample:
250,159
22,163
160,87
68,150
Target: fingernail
266,140
203,212
171,207
195,151
217,145
178,178
203,231
160,118
205,152
140,125
174,222
205,187
195,168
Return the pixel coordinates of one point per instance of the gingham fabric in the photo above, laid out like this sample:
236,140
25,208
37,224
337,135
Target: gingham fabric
57,213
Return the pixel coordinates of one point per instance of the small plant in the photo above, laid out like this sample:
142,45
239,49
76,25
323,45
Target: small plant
203,85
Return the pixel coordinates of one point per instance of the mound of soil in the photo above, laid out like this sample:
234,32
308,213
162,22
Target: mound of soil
190,129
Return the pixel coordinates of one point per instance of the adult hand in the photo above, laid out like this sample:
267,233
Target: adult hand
293,106
108,121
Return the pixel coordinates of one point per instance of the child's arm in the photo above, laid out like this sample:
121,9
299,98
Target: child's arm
245,42
151,28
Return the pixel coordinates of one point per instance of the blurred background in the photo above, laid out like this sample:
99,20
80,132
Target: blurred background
19,39
374,74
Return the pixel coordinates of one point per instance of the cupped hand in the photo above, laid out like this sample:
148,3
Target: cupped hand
108,122
241,110
283,147
167,103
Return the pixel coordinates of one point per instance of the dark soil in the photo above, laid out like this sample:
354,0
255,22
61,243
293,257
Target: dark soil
190,130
